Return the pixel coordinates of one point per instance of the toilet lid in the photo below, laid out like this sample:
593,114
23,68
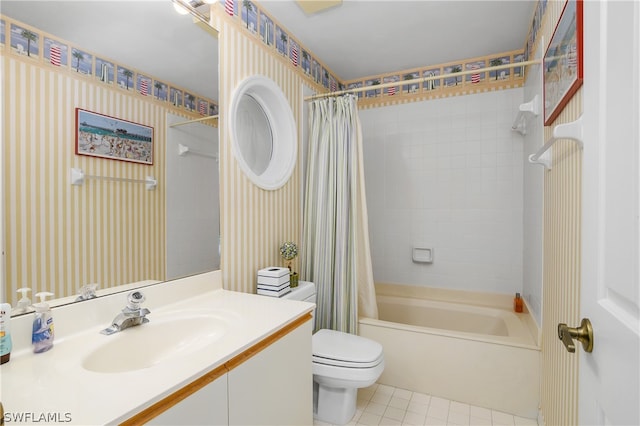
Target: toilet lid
343,349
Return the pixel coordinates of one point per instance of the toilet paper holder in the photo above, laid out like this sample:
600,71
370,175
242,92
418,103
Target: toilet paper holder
422,254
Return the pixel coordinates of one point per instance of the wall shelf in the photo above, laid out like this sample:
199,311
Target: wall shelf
184,150
572,130
532,107
197,120
78,177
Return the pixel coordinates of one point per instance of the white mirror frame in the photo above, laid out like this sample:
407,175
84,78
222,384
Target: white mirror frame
283,128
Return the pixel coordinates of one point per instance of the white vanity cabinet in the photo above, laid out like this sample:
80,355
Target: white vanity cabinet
208,406
275,386
270,383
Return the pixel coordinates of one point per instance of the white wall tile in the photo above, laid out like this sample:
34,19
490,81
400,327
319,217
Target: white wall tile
448,174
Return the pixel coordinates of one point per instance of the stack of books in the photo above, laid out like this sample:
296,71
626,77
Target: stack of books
273,281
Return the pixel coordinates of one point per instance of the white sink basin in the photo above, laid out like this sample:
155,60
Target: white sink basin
157,341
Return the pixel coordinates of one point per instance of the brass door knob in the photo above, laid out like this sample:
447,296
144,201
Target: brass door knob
583,334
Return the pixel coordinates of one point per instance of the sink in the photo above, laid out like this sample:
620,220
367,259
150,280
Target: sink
160,340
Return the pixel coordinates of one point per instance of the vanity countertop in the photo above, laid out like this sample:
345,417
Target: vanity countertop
55,386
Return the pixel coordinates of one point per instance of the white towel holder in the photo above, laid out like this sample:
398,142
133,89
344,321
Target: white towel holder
78,177
184,150
532,107
571,130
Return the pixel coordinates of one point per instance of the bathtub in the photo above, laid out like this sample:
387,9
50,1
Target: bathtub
485,356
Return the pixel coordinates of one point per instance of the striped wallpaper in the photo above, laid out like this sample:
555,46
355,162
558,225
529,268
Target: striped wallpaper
254,222
58,236
39,202
561,273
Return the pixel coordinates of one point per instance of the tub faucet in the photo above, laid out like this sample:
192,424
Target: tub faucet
131,315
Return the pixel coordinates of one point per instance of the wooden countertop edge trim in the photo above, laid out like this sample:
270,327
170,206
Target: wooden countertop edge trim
266,342
163,405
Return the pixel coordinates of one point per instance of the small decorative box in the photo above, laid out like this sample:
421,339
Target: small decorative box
273,275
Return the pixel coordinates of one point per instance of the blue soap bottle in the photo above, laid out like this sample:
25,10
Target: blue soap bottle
42,335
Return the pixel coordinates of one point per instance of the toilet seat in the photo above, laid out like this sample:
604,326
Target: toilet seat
338,349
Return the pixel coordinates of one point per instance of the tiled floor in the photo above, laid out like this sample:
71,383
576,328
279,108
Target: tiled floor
386,405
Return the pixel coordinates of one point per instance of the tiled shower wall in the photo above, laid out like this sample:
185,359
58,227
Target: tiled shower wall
446,174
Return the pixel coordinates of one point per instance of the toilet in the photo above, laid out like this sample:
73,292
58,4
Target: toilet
342,363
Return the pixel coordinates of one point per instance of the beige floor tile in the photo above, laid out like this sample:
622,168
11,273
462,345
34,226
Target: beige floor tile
479,421
394,413
523,421
480,412
414,419
432,421
388,390
439,402
390,406
381,398
459,407
421,398
402,393
501,419
369,419
458,418
438,412
390,422
400,403
415,407
375,408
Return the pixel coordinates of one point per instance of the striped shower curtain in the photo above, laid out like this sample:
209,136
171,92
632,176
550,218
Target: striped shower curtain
335,242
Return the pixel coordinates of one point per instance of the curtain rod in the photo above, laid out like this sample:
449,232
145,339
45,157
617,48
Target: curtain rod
210,117
422,79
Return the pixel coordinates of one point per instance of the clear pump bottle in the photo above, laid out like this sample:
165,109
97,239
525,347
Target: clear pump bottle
24,303
42,336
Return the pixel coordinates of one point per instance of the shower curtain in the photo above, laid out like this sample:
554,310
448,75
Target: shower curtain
335,253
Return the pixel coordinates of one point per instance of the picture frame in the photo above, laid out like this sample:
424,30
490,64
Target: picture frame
99,135
563,61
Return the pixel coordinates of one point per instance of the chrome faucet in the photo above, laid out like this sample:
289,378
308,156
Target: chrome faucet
131,315
88,291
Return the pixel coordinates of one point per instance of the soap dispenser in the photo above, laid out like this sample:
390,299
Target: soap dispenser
42,336
24,303
5,332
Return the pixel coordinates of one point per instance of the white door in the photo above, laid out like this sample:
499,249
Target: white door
609,388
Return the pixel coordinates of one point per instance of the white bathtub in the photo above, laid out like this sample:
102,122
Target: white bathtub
479,355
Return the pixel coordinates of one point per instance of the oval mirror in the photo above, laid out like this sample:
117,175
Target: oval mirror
263,132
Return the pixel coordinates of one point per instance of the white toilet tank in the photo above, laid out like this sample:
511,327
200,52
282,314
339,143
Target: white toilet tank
305,292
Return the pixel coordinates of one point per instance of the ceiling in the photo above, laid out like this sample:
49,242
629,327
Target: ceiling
149,36
354,39
362,38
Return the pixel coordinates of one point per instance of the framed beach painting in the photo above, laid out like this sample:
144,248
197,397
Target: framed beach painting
563,71
99,135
